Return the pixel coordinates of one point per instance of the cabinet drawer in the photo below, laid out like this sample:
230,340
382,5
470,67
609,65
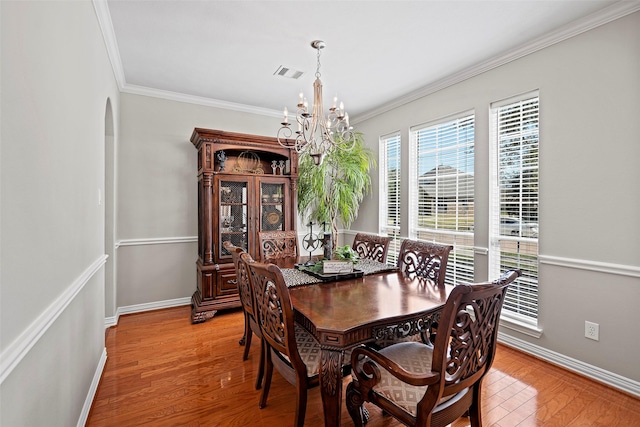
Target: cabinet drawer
227,282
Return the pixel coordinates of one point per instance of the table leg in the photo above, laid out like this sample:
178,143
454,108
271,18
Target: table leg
331,385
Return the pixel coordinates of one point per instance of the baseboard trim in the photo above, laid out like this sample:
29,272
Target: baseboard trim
20,347
139,308
611,379
93,389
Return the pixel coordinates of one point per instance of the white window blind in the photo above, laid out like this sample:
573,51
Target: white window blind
514,202
442,190
390,193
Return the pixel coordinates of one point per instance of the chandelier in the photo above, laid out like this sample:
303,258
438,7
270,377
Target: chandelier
317,134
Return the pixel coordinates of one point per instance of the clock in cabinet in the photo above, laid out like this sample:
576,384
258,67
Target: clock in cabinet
246,184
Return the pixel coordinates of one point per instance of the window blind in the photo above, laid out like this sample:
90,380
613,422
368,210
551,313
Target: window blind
390,193
442,190
514,203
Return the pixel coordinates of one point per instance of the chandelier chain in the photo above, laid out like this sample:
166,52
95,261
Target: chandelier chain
318,65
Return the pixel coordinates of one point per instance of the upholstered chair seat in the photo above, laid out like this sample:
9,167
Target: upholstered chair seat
415,358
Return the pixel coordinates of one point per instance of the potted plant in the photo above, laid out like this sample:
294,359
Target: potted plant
346,253
334,189
342,262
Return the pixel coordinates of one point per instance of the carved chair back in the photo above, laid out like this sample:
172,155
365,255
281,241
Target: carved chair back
274,310
288,347
447,381
278,247
372,247
425,259
242,277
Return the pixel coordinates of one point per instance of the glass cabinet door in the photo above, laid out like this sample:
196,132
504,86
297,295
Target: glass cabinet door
232,217
272,202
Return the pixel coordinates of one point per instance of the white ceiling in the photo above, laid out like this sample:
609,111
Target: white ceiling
379,53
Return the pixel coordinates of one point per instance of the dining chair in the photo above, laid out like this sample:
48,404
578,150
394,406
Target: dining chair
290,348
279,247
425,259
241,259
429,261
369,246
423,385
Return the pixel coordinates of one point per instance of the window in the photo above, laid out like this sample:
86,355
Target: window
513,231
441,205
390,193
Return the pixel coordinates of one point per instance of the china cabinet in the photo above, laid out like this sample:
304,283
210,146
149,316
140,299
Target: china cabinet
246,184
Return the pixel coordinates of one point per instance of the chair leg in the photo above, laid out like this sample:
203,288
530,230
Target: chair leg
267,379
301,407
247,333
246,323
354,406
475,417
263,348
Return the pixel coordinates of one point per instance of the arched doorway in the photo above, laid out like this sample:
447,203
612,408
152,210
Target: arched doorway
109,217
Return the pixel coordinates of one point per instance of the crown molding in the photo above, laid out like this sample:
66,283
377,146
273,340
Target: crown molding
199,100
604,16
108,34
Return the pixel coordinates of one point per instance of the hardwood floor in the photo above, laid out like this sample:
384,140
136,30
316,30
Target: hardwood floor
163,371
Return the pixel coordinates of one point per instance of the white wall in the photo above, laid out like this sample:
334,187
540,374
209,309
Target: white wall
55,82
589,202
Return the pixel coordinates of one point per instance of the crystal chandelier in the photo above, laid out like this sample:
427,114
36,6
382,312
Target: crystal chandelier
317,134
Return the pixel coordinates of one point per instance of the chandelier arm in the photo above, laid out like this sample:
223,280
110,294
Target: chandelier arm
318,134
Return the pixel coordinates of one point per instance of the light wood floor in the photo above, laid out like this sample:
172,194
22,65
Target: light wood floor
163,371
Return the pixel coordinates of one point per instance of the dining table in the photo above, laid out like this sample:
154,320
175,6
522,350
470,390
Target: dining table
383,304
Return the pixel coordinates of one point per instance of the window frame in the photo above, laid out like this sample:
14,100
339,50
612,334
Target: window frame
460,267
384,229
511,144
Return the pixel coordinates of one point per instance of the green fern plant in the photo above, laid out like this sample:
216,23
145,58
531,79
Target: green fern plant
334,189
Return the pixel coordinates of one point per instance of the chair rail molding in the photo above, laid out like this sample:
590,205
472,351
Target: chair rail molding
582,264
156,241
20,347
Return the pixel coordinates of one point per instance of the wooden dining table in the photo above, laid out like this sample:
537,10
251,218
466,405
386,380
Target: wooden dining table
345,313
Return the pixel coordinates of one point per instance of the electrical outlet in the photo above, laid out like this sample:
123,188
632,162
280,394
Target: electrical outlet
591,330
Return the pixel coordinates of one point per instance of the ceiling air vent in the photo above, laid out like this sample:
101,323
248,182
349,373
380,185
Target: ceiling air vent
288,72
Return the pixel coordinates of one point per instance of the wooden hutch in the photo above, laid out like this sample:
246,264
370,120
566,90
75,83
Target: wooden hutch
246,184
